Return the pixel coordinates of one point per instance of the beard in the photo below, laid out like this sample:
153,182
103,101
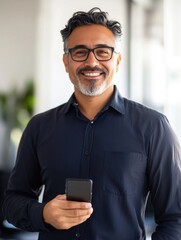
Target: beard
91,89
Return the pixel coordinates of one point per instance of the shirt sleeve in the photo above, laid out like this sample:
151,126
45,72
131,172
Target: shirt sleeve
164,178
21,206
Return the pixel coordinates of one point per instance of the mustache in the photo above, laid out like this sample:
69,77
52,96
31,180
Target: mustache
91,69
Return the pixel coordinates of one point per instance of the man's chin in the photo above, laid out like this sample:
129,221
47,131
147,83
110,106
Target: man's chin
91,92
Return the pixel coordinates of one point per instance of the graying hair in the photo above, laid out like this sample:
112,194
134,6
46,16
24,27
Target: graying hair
94,16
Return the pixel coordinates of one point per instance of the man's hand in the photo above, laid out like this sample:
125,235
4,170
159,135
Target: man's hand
63,214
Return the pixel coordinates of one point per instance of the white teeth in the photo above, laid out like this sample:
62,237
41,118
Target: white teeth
92,74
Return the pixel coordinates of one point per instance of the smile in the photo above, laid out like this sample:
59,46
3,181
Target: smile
91,74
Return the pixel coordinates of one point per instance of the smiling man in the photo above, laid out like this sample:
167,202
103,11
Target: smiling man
91,61
127,149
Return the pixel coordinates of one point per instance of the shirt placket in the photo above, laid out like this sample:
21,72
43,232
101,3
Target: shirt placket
86,152
85,169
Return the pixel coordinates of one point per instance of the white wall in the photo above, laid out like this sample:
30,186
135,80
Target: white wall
53,85
17,42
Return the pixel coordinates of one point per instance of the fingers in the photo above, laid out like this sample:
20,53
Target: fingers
77,213
67,222
75,208
61,197
63,214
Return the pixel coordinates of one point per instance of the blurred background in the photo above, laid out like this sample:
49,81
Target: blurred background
33,79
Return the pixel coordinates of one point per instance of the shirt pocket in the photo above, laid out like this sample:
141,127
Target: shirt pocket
123,172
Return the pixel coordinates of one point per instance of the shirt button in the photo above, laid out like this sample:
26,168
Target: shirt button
86,152
77,235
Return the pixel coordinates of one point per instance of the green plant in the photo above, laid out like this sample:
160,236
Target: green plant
16,108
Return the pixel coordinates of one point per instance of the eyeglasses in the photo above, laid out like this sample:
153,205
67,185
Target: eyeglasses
81,54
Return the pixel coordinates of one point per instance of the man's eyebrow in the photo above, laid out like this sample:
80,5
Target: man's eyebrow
102,45
80,46
84,46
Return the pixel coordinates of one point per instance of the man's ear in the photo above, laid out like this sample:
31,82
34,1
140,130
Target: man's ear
65,61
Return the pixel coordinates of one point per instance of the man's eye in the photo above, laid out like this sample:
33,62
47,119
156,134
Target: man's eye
102,52
80,52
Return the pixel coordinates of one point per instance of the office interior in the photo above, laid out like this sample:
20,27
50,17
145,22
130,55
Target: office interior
33,78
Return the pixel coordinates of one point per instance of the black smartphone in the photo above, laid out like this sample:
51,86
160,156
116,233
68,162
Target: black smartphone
78,189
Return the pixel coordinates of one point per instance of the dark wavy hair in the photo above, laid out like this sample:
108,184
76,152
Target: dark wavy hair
94,16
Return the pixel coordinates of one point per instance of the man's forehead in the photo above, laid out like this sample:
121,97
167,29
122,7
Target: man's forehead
91,35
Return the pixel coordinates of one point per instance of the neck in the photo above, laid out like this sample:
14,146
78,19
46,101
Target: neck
91,105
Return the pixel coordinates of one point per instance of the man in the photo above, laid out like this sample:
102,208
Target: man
127,150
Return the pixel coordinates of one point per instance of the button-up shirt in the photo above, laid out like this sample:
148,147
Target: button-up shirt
128,150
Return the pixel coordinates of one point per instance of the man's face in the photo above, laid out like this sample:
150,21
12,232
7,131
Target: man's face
91,77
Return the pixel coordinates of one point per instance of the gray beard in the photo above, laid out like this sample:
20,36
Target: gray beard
91,89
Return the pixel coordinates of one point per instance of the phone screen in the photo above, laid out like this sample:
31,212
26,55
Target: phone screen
78,189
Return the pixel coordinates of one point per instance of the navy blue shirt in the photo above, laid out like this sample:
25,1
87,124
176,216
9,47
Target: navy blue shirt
128,150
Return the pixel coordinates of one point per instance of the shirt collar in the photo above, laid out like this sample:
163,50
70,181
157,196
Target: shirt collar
116,102
71,102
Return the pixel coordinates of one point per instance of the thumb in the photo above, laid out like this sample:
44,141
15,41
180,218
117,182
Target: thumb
61,197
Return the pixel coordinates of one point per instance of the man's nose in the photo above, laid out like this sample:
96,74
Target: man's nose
91,60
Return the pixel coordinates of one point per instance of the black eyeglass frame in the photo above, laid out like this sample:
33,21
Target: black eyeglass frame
69,50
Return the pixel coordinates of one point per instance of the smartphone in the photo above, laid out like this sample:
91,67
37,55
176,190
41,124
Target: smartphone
78,189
